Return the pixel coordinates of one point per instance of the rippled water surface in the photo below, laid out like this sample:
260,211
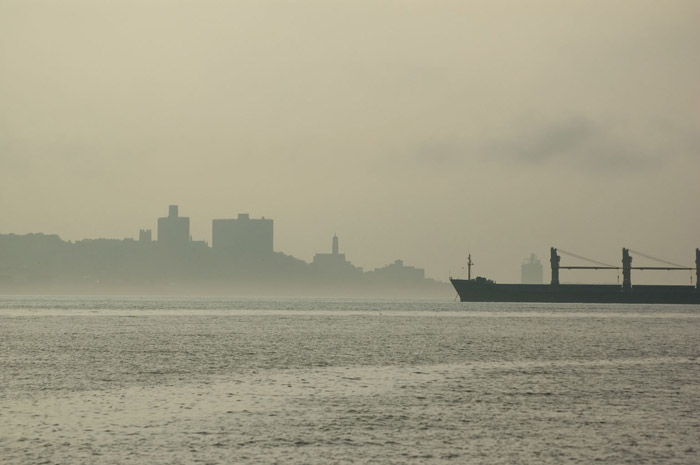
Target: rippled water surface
103,380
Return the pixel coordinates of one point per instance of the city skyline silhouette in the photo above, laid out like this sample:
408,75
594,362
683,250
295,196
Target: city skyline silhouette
240,260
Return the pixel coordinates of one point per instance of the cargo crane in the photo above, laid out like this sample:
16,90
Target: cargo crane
626,266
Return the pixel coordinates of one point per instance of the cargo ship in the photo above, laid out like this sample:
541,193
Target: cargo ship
485,290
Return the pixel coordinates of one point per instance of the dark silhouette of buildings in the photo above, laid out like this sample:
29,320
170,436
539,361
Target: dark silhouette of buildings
240,261
399,272
334,262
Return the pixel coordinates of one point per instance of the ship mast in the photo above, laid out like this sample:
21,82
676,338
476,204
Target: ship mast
697,270
554,260
469,267
626,270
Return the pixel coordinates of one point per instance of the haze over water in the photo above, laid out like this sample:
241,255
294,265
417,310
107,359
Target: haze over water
182,380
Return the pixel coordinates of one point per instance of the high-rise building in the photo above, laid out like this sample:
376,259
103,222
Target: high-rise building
243,236
173,230
531,270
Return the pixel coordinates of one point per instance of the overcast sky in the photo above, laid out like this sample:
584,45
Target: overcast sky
421,130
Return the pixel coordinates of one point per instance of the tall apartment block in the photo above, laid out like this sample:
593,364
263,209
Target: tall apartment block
243,236
173,230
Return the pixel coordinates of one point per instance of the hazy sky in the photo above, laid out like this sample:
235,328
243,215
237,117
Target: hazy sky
421,130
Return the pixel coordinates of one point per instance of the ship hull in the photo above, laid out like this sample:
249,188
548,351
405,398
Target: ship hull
480,291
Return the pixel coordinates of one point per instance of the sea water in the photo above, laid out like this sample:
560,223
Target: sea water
113,380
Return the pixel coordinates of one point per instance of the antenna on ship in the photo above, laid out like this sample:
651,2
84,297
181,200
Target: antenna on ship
469,267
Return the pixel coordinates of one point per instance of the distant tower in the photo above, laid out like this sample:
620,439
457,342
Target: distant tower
531,271
145,235
334,262
173,230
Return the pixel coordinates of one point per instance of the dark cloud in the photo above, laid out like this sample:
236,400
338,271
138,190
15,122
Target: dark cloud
575,142
560,139
441,153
